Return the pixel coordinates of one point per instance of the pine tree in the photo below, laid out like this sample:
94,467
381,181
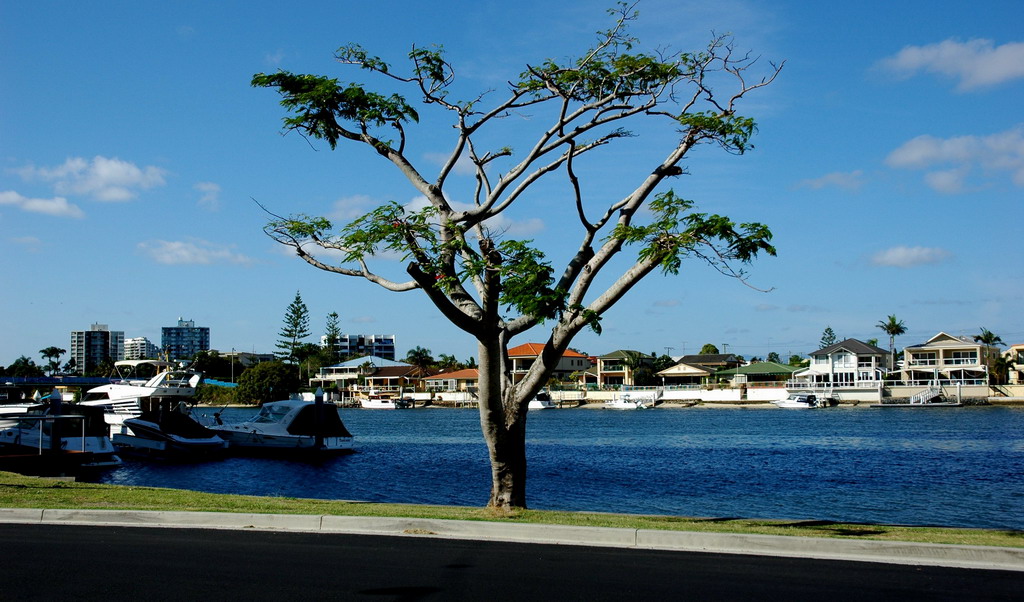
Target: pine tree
296,328
828,338
332,334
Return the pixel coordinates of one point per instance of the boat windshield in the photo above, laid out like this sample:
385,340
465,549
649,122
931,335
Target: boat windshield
272,414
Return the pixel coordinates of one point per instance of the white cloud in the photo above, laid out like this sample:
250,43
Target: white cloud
104,179
996,153
57,206
976,63
908,257
197,252
210,198
30,243
847,180
950,181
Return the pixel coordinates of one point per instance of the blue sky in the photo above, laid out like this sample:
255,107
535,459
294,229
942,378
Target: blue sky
889,163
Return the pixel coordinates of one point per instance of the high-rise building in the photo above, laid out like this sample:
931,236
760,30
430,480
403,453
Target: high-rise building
183,341
89,348
140,348
379,345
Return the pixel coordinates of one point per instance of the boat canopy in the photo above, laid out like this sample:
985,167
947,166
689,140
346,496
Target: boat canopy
305,422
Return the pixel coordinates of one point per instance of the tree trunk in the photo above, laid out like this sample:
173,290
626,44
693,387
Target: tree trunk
503,423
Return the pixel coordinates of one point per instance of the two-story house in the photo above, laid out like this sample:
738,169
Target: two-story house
522,357
618,368
847,364
371,371
947,359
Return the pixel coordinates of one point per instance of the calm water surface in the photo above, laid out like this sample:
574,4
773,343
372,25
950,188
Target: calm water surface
953,466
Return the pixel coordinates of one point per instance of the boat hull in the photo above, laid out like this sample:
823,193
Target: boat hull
242,438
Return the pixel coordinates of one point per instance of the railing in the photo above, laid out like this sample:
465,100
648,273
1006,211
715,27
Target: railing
967,382
933,391
857,384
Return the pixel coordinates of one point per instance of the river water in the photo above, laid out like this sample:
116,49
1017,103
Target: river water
953,466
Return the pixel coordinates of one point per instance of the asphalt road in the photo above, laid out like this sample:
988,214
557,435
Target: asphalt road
58,562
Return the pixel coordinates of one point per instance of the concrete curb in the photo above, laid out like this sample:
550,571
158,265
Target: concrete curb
888,552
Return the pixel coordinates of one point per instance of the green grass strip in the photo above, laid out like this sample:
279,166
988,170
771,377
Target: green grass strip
17,491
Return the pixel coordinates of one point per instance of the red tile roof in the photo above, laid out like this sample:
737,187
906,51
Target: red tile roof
534,350
468,373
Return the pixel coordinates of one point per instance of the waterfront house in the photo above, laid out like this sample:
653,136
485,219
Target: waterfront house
522,357
763,374
350,373
616,368
850,363
948,360
466,380
698,369
685,374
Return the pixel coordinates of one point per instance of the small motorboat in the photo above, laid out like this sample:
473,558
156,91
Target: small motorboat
804,401
289,425
374,400
629,401
542,401
168,429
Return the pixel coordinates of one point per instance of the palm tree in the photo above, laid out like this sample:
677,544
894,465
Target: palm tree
420,357
987,337
893,328
53,355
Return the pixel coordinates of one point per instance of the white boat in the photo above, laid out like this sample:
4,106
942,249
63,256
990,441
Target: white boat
123,398
62,427
803,401
630,401
289,425
542,401
372,400
167,429
13,403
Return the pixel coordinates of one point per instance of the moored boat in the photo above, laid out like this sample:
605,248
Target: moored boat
804,401
123,399
542,401
170,431
59,427
630,401
289,425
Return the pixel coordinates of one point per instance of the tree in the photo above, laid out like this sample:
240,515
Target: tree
894,328
796,360
419,357
987,337
24,367
266,381
494,287
296,328
332,334
708,349
52,355
212,364
663,362
447,363
774,357
828,338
